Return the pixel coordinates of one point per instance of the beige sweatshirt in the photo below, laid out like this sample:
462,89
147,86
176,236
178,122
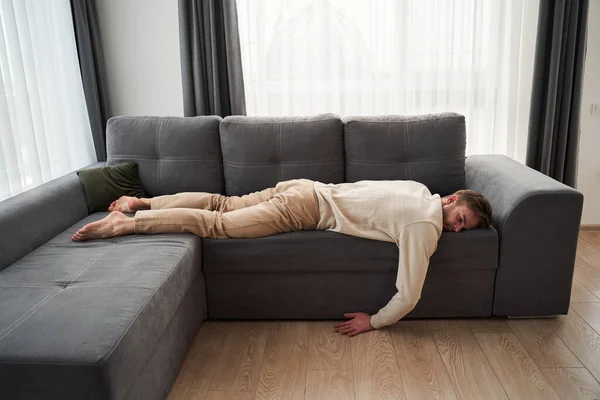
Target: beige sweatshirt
403,212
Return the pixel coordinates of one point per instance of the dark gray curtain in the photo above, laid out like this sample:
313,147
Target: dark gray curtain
211,61
89,49
553,141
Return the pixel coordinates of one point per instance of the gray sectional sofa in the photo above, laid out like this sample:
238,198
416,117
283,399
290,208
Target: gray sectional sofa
113,319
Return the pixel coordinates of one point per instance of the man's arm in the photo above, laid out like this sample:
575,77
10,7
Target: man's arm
416,243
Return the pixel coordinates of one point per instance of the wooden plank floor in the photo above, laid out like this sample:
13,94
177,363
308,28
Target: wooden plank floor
554,358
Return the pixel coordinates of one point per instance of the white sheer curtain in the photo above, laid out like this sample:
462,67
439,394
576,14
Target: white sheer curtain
359,57
44,126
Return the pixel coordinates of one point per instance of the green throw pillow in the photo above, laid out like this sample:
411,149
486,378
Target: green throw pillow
105,185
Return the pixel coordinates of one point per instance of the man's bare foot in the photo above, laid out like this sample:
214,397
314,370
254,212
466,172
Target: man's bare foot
129,204
114,224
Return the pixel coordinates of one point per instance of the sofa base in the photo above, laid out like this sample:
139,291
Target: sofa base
330,295
161,369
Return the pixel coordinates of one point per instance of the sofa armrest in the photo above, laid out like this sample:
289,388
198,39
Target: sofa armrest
37,215
537,219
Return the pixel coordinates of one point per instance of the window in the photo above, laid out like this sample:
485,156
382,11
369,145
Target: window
44,127
356,57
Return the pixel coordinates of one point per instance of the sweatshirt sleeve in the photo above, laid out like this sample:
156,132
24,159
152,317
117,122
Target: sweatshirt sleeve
416,243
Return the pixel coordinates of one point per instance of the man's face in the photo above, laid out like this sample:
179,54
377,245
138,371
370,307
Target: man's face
458,216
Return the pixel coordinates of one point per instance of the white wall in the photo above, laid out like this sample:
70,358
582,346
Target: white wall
140,40
588,180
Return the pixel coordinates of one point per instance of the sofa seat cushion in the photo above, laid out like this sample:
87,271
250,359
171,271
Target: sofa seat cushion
88,315
322,251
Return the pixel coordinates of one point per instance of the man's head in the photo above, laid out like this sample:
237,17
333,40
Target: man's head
466,209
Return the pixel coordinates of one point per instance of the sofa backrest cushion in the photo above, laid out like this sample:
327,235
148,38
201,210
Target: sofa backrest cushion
174,154
30,219
428,148
259,152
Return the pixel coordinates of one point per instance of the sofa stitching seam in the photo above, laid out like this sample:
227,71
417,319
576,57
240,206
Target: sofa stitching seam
24,285
82,285
408,149
87,266
406,171
404,121
278,122
174,158
432,160
279,155
28,314
156,118
278,163
157,144
110,285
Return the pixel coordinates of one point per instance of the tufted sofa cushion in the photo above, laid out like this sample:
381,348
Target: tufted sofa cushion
174,154
428,148
259,152
80,320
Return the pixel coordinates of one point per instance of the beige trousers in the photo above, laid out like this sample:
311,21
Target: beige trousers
290,206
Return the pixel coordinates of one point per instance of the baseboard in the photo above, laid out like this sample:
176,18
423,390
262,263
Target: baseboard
589,227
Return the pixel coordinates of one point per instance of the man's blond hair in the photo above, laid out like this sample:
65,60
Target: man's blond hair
478,204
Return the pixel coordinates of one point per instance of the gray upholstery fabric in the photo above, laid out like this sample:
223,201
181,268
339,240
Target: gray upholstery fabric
537,219
259,152
323,274
324,251
174,154
454,294
95,312
279,295
31,218
427,148
155,380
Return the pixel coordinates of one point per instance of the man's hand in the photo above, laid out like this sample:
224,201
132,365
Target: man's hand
360,322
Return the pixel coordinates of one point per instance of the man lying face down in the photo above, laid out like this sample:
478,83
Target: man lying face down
403,212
